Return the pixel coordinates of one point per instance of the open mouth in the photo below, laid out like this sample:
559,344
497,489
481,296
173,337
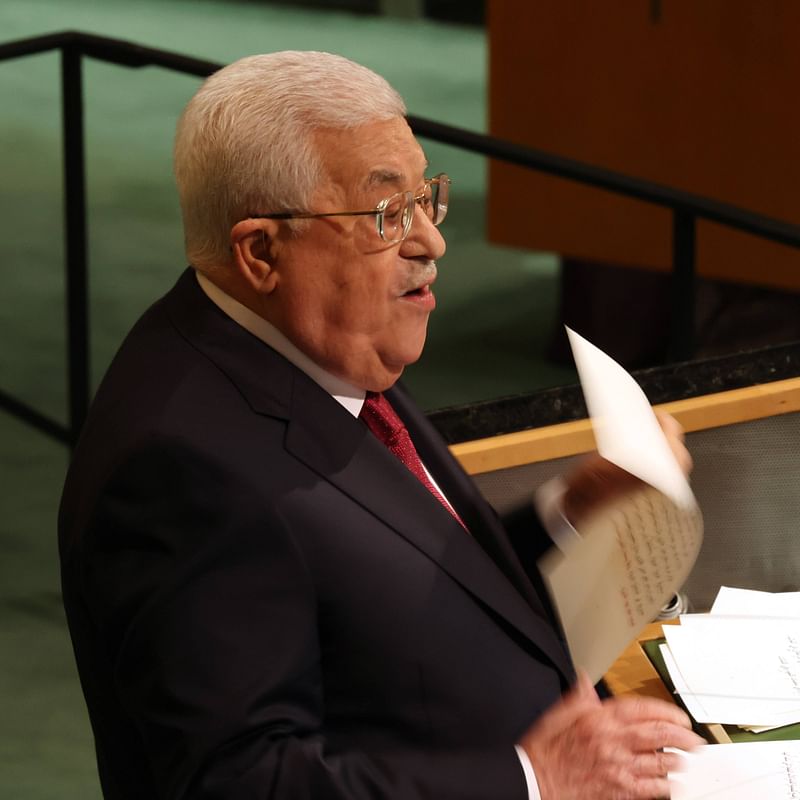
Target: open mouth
422,274
418,292
422,297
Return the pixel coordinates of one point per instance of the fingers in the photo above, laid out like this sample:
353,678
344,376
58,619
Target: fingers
649,777
656,763
653,724
645,737
669,424
593,482
646,724
673,431
639,709
647,788
587,748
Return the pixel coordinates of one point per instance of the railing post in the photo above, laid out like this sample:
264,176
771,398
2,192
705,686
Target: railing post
681,344
75,231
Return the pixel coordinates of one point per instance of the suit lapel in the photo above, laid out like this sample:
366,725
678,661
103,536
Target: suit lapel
478,515
341,450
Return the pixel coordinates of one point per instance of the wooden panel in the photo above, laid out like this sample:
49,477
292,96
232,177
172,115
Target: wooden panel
692,95
571,438
633,674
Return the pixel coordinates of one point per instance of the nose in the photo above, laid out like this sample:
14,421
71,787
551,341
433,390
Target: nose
424,239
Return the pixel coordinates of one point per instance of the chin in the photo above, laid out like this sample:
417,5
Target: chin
386,377
415,346
392,363
409,358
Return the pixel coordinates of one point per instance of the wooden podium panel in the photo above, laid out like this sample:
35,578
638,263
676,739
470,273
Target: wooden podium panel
571,438
633,674
699,96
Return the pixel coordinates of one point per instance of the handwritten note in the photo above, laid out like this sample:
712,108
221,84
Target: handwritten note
737,670
746,771
630,558
634,553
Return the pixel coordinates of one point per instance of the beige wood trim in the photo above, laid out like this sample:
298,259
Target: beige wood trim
571,438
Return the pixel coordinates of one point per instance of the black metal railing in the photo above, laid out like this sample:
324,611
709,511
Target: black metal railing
74,46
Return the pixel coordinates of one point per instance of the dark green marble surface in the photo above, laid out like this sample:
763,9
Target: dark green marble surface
660,384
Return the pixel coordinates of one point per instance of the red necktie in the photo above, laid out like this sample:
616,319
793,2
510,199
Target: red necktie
383,421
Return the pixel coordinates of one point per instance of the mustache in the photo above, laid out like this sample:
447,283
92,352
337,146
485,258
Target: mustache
423,272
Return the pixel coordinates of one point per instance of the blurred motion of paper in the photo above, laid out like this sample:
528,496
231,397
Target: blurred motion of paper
633,554
743,771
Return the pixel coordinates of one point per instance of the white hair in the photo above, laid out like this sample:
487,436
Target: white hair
243,144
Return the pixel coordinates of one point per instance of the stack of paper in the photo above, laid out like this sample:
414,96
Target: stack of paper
739,664
750,771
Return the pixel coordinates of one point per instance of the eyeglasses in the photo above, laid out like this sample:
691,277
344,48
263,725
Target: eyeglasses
395,214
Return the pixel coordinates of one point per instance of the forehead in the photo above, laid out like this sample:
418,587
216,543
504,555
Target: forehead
378,154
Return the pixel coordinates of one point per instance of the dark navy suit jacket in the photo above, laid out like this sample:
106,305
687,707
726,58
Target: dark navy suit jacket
265,603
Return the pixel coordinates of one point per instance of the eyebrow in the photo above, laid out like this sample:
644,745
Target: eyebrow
381,177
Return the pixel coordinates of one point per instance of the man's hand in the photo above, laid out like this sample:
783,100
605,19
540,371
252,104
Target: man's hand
587,749
596,481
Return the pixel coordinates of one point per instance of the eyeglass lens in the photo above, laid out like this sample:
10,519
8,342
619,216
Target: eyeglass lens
394,222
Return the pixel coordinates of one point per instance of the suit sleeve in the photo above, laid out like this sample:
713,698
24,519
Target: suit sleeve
527,534
206,609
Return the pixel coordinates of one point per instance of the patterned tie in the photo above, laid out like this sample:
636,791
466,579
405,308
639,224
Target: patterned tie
382,420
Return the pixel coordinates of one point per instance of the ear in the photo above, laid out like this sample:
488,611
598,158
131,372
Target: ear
253,251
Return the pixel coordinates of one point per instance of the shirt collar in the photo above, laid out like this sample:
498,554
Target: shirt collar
347,395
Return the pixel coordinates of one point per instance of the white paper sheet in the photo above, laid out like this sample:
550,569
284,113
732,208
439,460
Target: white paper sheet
747,771
751,603
632,555
682,689
722,621
737,671
625,427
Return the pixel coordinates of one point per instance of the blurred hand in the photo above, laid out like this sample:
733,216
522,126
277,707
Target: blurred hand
596,481
587,749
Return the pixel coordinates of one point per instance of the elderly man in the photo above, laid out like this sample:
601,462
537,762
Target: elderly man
273,589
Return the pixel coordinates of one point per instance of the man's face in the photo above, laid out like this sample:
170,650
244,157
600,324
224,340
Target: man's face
354,304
